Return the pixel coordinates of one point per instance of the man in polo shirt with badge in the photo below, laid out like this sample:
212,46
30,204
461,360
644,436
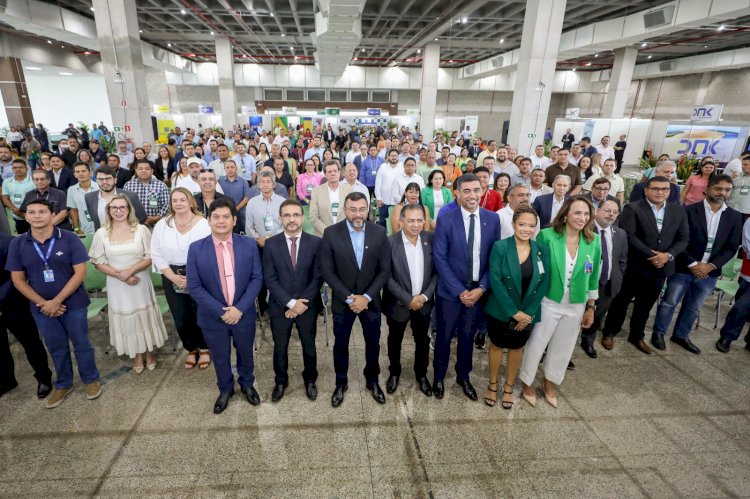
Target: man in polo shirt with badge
79,213
48,266
14,191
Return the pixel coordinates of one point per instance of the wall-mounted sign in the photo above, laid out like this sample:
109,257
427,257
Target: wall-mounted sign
288,109
707,112
158,108
249,110
373,111
333,111
572,113
718,142
206,109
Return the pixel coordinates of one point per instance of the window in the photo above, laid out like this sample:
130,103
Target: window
360,96
316,95
337,95
273,94
381,96
295,94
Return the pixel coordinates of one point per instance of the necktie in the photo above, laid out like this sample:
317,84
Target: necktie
471,247
228,272
604,276
294,252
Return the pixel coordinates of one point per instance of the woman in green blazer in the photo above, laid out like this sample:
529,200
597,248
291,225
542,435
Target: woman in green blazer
518,282
436,195
575,261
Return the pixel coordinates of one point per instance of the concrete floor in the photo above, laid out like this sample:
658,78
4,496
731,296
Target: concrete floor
672,424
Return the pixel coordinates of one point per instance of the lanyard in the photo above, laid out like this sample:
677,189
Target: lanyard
45,259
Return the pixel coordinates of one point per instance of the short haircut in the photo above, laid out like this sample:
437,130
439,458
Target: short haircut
656,179
411,207
114,156
586,139
220,145
562,176
392,149
528,160
41,172
43,202
105,170
143,161
410,159
6,146
354,197
331,162
466,177
602,180
715,179
481,169
611,200
80,163
267,174
515,187
433,173
660,166
222,202
523,209
18,161
57,156
291,202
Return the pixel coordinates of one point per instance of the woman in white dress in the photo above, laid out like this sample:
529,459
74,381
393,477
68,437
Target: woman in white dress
121,249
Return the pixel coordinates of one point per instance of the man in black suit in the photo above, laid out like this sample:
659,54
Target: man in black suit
567,139
664,169
329,136
355,260
715,234
548,205
15,316
60,177
657,233
122,175
292,274
614,261
409,295
475,148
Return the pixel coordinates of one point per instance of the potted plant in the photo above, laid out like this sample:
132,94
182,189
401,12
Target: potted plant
646,163
686,166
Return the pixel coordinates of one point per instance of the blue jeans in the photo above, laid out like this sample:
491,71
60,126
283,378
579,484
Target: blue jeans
383,215
71,327
692,292
738,314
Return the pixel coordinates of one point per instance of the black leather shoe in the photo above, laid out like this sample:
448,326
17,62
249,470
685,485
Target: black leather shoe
571,366
590,350
658,341
392,384
686,344
43,389
252,395
747,346
338,395
438,388
468,389
222,402
424,386
723,345
311,390
479,340
278,392
377,392
6,388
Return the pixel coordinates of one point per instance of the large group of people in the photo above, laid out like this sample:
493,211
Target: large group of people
456,237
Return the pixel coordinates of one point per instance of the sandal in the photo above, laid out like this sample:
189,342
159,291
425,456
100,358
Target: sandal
189,364
489,401
505,403
203,364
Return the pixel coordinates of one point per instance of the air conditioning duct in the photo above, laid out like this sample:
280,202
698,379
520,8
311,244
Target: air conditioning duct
659,17
497,62
338,31
666,66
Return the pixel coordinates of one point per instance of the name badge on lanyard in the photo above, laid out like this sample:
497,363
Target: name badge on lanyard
588,266
47,273
268,223
153,202
539,263
335,210
745,190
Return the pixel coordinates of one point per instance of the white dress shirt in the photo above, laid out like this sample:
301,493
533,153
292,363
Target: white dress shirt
712,226
384,183
606,235
542,162
606,152
477,239
556,205
415,260
334,197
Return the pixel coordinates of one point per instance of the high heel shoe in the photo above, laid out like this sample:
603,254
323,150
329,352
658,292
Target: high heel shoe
531,399
488,401
138,369
551,398
507,404
151,366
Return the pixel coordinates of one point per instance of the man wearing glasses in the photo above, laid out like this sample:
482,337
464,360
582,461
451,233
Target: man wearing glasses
665,169
599,192
96,201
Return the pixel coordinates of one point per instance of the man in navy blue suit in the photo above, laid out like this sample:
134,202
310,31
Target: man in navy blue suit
224,277
461,250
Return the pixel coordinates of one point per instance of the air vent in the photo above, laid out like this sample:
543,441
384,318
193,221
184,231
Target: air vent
497,62
666,66
606,75
295,94
658,18
469,70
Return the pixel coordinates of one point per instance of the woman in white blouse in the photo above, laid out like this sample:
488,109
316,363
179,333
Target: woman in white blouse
171,238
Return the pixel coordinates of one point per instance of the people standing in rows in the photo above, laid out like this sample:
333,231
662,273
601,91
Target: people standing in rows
694,190
664,169
412,195
517,196
435,196
350,175
56,198
80,217
96,200
209,191
386,189
490,199
237,189
548,206
327,200
152,192
14,192
60,177
307,181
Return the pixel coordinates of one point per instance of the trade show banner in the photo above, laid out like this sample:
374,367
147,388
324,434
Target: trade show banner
307,124
716,141
280,122
256,122
164,126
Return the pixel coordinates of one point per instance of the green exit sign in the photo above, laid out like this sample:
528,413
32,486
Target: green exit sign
333,111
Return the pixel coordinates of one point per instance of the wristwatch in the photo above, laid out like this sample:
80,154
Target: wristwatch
671,258
590,307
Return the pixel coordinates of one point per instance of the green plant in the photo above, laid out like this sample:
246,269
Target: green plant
108,144
686,166
392,124
83,126
646,163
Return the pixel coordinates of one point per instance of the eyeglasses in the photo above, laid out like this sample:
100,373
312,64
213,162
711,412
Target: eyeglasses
602,189
118,208
660,189
610,211
207,170
287,216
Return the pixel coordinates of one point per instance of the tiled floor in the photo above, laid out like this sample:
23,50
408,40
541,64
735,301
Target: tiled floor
672,424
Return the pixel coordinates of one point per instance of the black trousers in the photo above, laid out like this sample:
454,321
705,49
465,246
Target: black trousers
17,319
645,288
588,335
262,302
184,312
22,226
281,329
420,325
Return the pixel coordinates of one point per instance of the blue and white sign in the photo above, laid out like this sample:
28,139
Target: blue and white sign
373,111
707,112
206,109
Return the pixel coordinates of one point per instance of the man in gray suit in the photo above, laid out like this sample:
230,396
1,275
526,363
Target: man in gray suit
614,260
96,201
409,294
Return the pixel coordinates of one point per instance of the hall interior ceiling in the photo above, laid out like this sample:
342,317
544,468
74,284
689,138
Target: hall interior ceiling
390,32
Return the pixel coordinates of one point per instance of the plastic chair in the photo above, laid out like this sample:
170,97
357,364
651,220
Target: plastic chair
727,284
307,225
388,226
164,310
95,284
87,239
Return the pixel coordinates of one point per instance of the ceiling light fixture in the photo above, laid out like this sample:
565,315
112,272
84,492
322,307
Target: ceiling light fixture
436,39
182,11
33,68
212,33
588,64
419,51
574,70
463,21
644,44
721,28
92,9
649,57
291,48
271,14
502,40
596,55
49,41
169,44
140,31
283,35
705,46
65,73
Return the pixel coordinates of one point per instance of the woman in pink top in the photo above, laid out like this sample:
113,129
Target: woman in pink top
308,181
695,186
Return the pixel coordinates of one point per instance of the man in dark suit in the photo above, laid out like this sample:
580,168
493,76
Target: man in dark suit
122,174
96,201
715,234
292,275
567,139
614,262
461,251
475,148
586,148
664,169
600,192
329,136
60,177
15,316
547,205
409,294
224,276
657,233
355,260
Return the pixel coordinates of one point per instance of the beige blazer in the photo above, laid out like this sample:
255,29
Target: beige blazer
320,207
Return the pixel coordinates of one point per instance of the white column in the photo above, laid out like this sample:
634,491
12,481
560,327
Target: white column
122,60
619,82
540,41
428,90
227,95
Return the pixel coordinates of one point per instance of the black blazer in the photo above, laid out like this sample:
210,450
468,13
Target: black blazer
543,207
728,238
66,179
398,293
286,283
619,260
639,222
122,175
92,204
338,264
638,193
9,296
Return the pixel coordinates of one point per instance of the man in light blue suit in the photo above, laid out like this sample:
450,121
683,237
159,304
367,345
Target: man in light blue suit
461,250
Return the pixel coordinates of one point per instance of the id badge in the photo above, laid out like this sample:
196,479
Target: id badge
309,188
449,183
374,173
268,223
540,266
745,190
588,267
153,202
49,275
88,217
335,210
17,199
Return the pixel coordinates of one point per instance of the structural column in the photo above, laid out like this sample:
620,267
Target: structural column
122,59
227,95
13,87
540,42
619,82
428,90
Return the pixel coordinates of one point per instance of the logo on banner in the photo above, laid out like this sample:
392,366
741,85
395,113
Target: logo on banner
698,140
707,112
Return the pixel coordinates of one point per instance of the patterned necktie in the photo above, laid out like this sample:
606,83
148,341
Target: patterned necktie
294,252
228,272
471,247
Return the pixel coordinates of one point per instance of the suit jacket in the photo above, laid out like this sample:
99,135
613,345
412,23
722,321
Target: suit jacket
568,139
727,240
66,179
338,264
589,253
543,207
122,176
474,151
329,136
450,248
505,281
619,260
286,283
320,207
398,293
638,193
428,199
202,205
638,220
205,286
9,296
92,204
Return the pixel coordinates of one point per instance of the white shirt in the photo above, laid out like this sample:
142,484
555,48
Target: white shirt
217,166
57,175
333,197
190,184
556,205
292,302
415,260
506,223
359,187
438,201
402,180
535,193
606,152
477,240
573,160
570,265
658,213
542,162
734,166
279,140
506,167
169,247
606,234
350,156
616,183
712,224
455,150
384,183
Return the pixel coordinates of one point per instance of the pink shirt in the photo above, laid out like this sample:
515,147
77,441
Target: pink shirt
697,185
304,180
220,263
